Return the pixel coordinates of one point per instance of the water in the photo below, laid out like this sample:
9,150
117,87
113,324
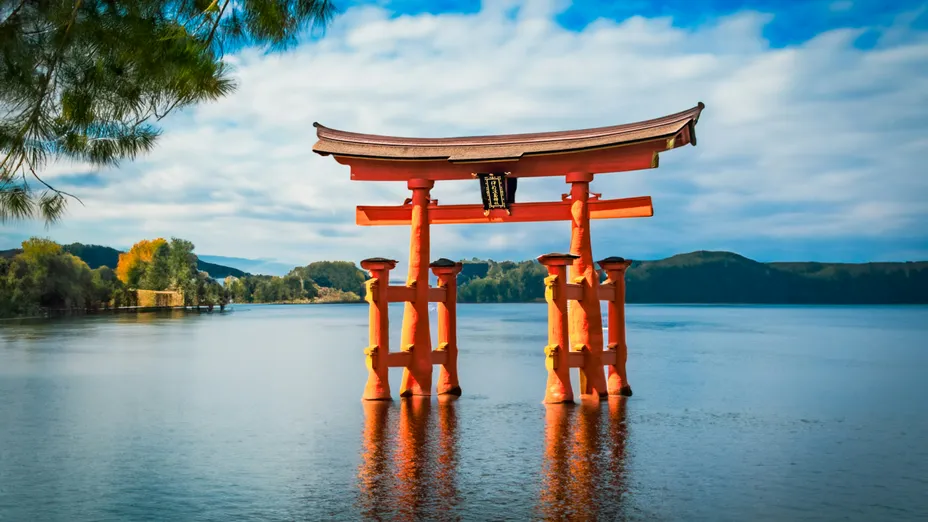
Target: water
739,413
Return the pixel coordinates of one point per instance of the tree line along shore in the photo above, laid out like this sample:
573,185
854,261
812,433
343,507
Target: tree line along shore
44,276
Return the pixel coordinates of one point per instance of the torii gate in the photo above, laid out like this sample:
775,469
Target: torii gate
575,339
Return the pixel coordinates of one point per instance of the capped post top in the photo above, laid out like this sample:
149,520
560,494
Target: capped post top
378,263
557,258
442,262
614,263
445,266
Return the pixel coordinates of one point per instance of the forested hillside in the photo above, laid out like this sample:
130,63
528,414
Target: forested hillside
719,277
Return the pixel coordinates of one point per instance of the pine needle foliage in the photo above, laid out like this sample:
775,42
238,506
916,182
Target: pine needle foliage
89,80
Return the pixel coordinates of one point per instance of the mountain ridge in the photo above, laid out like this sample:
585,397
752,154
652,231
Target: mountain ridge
703,276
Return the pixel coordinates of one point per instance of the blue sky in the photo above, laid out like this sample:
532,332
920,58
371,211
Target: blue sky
812,145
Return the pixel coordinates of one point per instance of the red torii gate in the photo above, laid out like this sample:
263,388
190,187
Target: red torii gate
575,339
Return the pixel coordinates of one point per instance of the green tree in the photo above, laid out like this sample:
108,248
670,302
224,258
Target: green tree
342,275
157,274
89,80
183,268
136,273
106,287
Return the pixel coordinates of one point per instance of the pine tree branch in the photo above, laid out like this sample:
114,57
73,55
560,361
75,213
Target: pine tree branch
43,93
14,12
209,39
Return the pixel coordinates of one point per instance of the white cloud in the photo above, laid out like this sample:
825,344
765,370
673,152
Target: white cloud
818,140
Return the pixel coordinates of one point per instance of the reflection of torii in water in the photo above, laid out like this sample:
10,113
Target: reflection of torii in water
409,471
584,472
498,162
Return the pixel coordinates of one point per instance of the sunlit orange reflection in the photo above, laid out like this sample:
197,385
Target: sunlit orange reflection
412,473
412,455
584,466
446,473
555,498
373,482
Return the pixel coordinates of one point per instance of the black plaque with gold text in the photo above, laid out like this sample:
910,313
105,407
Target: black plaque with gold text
497,191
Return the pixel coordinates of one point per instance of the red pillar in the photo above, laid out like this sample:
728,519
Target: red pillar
559,388
447,271
586,322
378,383
615,268
417,377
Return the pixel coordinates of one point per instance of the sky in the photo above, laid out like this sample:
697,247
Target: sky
812,146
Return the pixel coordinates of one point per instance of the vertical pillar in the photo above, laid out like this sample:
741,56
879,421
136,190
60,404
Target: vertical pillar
447,270
417,377
615,268
378,383
559,388
586,322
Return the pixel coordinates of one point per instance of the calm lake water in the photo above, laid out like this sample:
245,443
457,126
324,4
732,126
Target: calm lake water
739,413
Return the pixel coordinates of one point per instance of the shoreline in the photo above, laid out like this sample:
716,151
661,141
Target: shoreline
230,308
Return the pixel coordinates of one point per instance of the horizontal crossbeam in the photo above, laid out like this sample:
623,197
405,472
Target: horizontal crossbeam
520,212
403,359
403,294
574,292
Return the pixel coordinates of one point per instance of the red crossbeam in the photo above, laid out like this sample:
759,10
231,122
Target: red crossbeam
521,212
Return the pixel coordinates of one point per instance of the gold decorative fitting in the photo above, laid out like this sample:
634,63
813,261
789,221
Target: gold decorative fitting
372,287
408,347
655,160
671,142
371,350
551,352
579,280
442,347
612,347
581,348
550,293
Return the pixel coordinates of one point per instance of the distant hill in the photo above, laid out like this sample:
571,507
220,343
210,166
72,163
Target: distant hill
696,277
718,277
724,277
251,266
96,256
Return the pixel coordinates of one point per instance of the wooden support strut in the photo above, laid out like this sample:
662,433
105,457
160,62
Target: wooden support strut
558,389
446,354
378,350
616,353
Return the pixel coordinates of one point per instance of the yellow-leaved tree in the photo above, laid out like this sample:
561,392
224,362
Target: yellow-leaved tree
140,253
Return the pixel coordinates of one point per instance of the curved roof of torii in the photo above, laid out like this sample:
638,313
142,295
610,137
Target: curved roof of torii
503,147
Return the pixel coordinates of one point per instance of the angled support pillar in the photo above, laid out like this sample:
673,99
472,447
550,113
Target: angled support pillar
615,268
558,389
416,339
378,350
586,322
447,272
